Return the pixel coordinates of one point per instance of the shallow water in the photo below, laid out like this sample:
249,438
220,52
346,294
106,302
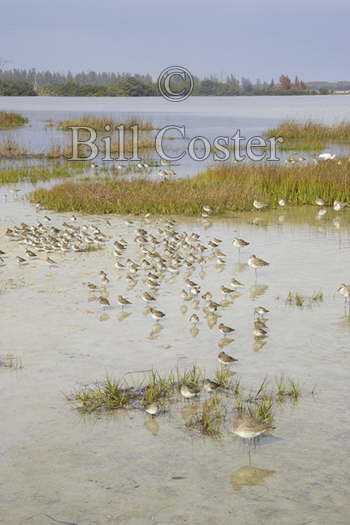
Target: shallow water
130,469
202,116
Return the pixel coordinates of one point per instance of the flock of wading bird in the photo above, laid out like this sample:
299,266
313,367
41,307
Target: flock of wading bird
167,252
161,253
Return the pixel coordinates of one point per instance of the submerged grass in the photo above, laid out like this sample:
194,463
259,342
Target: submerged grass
10,149
297,299
223,376
226,188
10,361
287,388
209,419
11,120
35,174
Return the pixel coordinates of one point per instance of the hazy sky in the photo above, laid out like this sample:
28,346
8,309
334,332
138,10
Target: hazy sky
253,38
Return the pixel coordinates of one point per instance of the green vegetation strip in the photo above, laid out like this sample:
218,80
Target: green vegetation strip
225,188
162,391
39,173
100,123
11,120
311,130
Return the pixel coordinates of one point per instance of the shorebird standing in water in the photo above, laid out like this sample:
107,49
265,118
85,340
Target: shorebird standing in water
103,301
319,201
189,391
152,409
239,243
256,263
226,359
259,205
344,290
261,310
210,386
249,428
123,301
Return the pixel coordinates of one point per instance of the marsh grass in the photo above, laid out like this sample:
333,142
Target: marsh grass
208,421
311,131
223,376
108,395
299,300
208,418
111,394
225,188
302,145
287,388
11,120
35,174
10,149
262,409
10,361
158,387
191,377
100,123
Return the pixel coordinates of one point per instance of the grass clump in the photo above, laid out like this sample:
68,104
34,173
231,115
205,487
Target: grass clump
158,387
9,149
100,123
11,120
112,394
262,409
35,174
209,419
310,130
287,388
10,361
191,377
226,188
223,376
297,299
108,395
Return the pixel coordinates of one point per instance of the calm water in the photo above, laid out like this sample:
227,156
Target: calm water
129,469
206,116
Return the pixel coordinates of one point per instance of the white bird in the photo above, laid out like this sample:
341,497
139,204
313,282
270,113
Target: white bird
319,201
259,205
344,290
326,156
339,206
282,202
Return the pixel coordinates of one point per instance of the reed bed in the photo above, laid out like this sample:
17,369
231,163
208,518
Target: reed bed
11,120
225,188
35,174
100,123
310,130
12,150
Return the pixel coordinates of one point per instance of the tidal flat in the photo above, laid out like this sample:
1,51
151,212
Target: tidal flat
183,465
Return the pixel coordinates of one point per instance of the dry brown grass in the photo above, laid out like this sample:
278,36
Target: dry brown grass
311,130
100,123
11,120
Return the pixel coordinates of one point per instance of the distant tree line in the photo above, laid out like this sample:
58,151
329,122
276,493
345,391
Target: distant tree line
29,82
